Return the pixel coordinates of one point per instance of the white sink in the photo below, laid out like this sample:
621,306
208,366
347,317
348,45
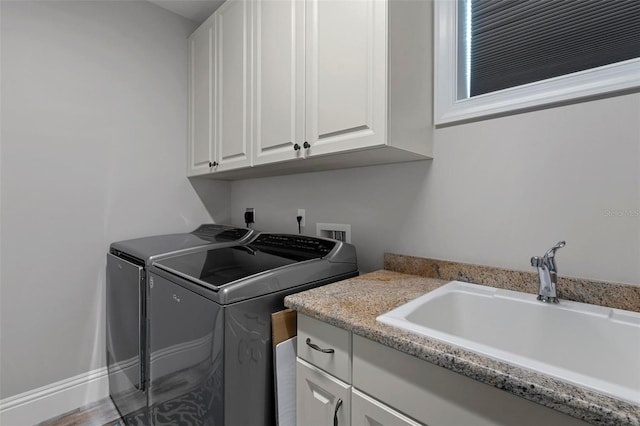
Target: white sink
588,345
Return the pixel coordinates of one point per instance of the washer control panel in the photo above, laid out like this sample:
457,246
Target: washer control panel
310,246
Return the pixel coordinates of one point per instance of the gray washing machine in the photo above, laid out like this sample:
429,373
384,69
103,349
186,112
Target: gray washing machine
126,307
210,325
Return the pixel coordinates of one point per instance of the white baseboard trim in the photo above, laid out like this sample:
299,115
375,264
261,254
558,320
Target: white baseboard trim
52,400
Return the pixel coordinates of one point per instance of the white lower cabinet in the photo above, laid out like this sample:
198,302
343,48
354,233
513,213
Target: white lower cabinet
386,387
366,411
321,399
436,396
325,346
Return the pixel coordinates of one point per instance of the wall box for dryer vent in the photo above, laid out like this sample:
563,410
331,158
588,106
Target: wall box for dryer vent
337,231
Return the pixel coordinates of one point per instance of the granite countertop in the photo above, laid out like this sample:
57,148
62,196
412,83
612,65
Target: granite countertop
355,303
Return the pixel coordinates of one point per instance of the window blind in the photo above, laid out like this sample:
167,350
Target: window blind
514,42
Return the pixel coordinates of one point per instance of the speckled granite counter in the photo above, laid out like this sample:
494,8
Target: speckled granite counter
354,305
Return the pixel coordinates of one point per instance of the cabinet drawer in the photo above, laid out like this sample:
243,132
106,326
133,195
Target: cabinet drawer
366,411
315,336
321,399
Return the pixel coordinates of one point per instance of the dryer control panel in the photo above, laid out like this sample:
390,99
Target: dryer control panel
220,233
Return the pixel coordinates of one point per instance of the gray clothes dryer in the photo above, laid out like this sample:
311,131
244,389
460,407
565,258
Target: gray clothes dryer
126,306
211,355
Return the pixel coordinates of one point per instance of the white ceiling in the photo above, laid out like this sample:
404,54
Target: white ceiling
196,10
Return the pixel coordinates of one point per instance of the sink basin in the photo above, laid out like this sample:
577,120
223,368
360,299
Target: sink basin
588,345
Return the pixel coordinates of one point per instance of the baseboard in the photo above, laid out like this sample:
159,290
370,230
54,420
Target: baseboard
49,401
38,405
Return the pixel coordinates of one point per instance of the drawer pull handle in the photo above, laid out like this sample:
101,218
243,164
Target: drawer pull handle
335,411
318,348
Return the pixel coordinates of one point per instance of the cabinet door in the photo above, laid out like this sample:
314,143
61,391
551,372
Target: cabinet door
321,399
200,146
366,411
232,85
278,80
434,395
346,81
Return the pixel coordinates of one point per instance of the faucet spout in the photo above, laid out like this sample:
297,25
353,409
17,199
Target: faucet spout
552,251
548,274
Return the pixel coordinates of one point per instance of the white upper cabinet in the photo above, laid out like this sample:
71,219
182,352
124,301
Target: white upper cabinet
201,148
278,80
307,85
346,48
232,118
219,132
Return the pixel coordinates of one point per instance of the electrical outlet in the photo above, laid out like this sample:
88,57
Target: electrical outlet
302,213
249,215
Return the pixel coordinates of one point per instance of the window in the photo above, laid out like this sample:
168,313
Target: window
496,56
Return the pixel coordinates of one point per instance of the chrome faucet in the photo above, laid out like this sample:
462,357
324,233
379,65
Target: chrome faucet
548,273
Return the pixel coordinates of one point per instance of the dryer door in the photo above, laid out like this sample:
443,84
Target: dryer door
125,335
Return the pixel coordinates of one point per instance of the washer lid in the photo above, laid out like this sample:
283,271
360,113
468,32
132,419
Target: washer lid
144,248
220,266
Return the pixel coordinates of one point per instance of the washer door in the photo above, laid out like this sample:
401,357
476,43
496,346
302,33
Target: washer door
186,356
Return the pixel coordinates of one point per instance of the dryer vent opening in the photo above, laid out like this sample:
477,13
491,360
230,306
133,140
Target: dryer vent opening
335,231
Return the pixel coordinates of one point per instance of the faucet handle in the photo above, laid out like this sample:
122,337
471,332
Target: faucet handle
552,251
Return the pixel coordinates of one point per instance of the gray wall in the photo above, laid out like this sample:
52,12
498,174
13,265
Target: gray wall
94,97
93,150
498,192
